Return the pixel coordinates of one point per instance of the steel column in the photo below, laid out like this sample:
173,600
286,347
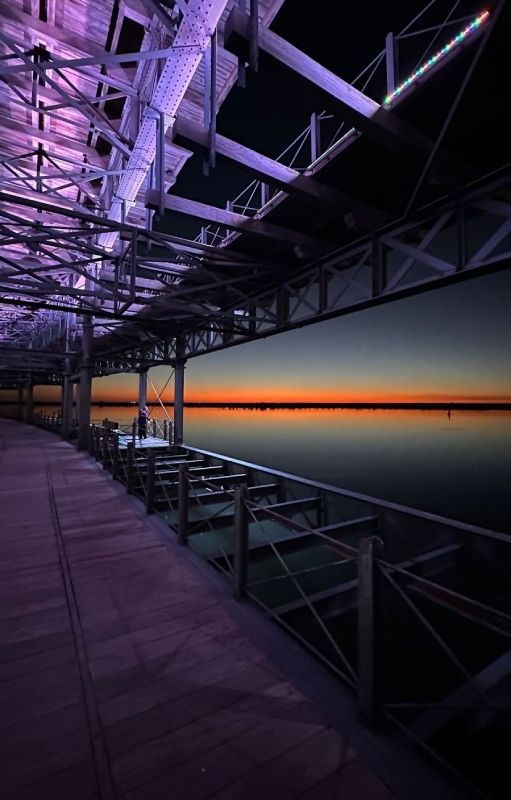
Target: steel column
142,388
85,388
19,403
179,387
29,400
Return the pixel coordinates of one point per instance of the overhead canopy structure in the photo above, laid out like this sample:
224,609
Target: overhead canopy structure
104,101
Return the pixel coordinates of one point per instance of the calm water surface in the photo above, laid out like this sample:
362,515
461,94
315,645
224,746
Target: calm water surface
460,468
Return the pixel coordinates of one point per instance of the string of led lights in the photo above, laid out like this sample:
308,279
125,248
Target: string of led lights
447,48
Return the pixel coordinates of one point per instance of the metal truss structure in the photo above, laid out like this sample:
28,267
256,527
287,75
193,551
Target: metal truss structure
104,101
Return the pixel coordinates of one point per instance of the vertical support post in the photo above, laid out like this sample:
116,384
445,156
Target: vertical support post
212,103
150,480
67,402
240,562
92,441
116,459
142,387
391,62
97,444
85,387
379,276
179,384
369,605
242,69
461,225
281,491
29,401
154,428
323,288
19,403
171,432
254,35
315,136
133,264
165,428
210,100
39,180
182,501
134,432
265,193
105,449
130,466
160,154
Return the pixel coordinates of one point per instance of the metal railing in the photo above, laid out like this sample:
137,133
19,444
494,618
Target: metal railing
409,609
395,601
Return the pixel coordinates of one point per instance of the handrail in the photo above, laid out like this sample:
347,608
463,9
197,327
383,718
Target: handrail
466,527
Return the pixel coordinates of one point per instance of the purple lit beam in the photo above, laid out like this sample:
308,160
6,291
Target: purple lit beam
238,222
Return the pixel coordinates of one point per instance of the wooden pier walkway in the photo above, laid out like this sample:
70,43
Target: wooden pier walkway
125,671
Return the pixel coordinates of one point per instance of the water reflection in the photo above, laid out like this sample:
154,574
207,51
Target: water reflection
458,467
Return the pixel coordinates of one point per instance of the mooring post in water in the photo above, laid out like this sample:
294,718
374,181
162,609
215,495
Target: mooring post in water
130,458
150,480
182,529
369,631
240,566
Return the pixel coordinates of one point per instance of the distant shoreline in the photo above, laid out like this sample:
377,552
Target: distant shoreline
441,406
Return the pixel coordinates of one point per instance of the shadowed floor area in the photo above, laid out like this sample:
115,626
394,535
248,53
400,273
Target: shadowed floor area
124,673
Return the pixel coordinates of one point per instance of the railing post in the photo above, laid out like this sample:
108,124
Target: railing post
92,441
106,454
150,480
115,457
240,565
165,429
97,443
130,455
369,606
154,429
134,433
171,432
182,529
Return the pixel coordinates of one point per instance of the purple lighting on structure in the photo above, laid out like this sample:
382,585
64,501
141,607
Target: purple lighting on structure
447,48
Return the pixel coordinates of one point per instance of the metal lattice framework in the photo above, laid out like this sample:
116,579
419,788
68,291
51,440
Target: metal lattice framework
103,102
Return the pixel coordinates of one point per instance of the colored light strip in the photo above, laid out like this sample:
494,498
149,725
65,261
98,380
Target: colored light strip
460,37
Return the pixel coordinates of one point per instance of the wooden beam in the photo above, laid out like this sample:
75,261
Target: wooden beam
286,178
236,38
233,221
381,124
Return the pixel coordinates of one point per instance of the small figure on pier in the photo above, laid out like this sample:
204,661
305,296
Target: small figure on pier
142,422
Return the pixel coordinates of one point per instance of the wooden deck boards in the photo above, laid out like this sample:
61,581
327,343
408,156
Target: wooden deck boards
188,707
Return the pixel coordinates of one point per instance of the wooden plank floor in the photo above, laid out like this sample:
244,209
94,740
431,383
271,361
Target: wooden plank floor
123,674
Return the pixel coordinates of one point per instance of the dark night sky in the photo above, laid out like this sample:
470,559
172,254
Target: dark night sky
445,344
